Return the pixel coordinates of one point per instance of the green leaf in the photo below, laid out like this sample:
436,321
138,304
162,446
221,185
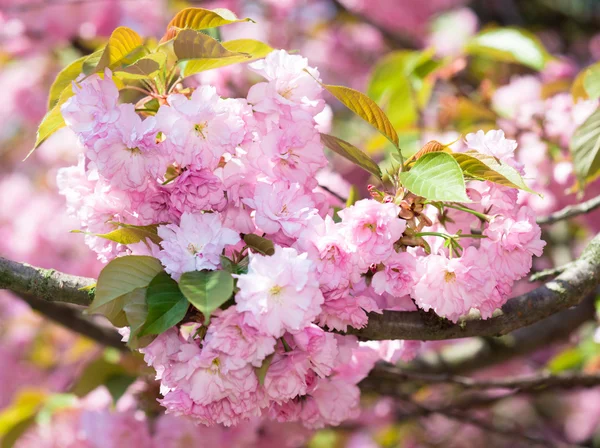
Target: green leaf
52,121
23,407
568,359
259,244
128,233
365,108
124,47
352,153
509,45
249,50
486,167
206,290
191,44
95,374
118,384
353,196
63,80
200,19
261,372
436,176
585,149
91,62
166,305
143,68
136,312
119,278
591,81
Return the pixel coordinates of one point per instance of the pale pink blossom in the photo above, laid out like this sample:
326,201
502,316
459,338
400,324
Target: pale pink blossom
493,143
320,346
398,275
196,191
195,244
286,376
279,293
372,228
347,307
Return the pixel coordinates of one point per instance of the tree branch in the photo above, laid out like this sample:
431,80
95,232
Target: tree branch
568,289
71,318
571,211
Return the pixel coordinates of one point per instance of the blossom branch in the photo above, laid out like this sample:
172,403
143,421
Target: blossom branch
565,291
571,211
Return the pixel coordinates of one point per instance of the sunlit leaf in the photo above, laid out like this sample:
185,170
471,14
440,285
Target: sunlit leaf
166,305
436,176
24,406
486,167
191,44
200,19
120,277
251,49
509,45
366,108
259,244
585,149
351,153
591,81
52,121
123,47
206,290
128,234
143,68
63,80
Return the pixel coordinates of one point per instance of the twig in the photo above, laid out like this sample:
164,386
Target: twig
539,382
570,211
71,318
333,193
547,273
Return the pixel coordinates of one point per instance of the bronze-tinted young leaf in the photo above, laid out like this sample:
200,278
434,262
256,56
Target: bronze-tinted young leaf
585,149
248,49
436,176
63,80
128,234
124,47
352,153
118,278
486,167
191,44
200,19
143,68
206,290
365,108
259,244
166,305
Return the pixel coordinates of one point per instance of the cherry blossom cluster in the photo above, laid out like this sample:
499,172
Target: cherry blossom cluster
209,170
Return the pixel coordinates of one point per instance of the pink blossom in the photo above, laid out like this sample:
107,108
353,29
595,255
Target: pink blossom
236,342
280,293
372,229
128,156
494,144
195,244
348,306
286,376
195,191
336,401
398,275
320,346
93,110
281,207
452,286
288,86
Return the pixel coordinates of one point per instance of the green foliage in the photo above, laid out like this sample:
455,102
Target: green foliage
136,313
259,244
436,176
144,68
166,305
585,149
365,108
124,47
247,50
63,80
105,370
117,283
20,413
353,196
485,167
509,45
52,121
351,153
206,290
191,44
261,372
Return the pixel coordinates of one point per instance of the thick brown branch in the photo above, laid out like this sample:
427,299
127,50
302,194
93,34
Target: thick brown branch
44,284
71,318
571,211
565,291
